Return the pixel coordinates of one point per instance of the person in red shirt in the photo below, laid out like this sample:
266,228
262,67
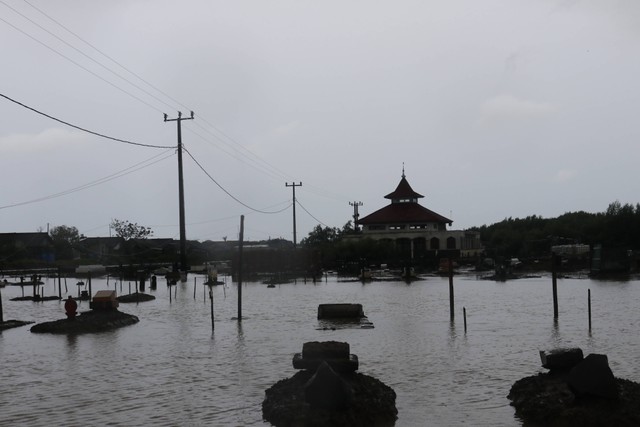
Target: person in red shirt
70,307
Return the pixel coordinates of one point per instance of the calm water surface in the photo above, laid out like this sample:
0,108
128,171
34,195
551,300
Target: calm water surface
170,369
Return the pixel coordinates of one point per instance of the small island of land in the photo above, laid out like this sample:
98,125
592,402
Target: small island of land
135,297
576,392
328,392
8,324
87,322
373,403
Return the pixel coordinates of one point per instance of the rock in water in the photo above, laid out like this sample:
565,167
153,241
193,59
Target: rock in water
593,377
326,390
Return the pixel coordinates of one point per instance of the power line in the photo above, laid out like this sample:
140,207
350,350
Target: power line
250,157
109,57
84,54
99,181
225,190
81,128
81,66
309,213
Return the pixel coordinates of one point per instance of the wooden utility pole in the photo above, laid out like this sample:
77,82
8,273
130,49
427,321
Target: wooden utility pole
294,185
555,261
451,296
183,233
356,215
240,266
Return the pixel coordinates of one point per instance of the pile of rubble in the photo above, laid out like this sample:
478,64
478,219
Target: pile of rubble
328,392
577,390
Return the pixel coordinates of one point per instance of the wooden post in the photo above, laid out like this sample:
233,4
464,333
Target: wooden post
89,279
589,306
211,298
240,261
464,314
59,284
451,297
554,284
1,314
195,279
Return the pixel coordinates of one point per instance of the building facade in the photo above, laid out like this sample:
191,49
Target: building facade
418,231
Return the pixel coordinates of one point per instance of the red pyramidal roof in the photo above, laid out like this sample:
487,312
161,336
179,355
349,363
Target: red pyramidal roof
403,191
403,209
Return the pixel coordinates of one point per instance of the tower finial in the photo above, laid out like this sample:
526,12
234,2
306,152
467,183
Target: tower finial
403,169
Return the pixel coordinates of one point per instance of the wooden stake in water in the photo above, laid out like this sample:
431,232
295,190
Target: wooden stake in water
589,306
464,314
451,297
240,261
59,284
195,280
1,314
554,283
211,298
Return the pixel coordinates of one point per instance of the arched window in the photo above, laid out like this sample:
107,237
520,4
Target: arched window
451,242
434,243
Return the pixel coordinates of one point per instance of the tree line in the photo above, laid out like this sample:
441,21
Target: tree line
533,236
617,227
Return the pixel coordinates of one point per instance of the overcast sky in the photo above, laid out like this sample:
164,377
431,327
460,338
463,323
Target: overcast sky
496,109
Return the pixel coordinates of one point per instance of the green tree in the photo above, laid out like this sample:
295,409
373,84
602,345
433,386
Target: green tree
130,230
320,236
64,237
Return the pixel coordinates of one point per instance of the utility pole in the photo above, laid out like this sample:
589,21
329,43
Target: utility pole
356,215
294,185
183,233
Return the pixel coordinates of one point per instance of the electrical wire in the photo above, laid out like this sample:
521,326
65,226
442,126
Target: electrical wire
228,193
244,154
81,128
81,66
309,213
85,55
99,181
109,58
249,154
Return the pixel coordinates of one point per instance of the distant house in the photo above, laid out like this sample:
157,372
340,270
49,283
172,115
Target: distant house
416,229
16,247
100,249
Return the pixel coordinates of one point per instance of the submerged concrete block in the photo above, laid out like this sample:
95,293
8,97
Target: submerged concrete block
561,358
335,353
338,311
341,365
325,349
104,300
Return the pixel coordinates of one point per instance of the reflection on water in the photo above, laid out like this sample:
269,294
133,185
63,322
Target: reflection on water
173,369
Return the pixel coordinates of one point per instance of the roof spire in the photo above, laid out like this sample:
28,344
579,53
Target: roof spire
403,169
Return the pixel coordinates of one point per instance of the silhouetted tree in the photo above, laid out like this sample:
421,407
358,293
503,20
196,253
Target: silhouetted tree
130,230
64,237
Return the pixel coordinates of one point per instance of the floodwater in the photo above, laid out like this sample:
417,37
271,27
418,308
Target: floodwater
171,369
